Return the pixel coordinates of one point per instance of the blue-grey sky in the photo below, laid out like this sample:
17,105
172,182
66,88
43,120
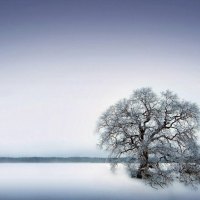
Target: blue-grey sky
62,63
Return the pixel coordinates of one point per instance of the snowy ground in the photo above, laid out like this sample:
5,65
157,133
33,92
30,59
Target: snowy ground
79,181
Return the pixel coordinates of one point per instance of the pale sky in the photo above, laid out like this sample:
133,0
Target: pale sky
64,62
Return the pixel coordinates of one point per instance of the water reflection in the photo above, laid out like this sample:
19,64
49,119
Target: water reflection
79,181
166,173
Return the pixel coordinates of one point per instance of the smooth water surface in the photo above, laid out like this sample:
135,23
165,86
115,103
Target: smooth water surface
67,181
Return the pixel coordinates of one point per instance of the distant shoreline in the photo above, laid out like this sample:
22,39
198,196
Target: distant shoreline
56,160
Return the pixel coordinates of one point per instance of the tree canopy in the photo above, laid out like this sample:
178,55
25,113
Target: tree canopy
157,134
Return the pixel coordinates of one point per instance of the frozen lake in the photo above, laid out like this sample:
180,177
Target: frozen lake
59,181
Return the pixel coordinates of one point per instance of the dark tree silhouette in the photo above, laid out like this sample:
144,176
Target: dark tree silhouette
156,134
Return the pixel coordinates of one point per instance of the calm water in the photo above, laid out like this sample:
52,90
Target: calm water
80,181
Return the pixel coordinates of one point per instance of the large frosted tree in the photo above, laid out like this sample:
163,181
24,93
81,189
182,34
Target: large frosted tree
156,134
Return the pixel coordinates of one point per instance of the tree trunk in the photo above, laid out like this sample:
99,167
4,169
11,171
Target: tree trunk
143,168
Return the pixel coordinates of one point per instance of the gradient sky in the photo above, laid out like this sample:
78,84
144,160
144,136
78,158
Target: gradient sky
63,62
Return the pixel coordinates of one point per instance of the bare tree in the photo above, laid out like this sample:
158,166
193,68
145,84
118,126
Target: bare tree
156,134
